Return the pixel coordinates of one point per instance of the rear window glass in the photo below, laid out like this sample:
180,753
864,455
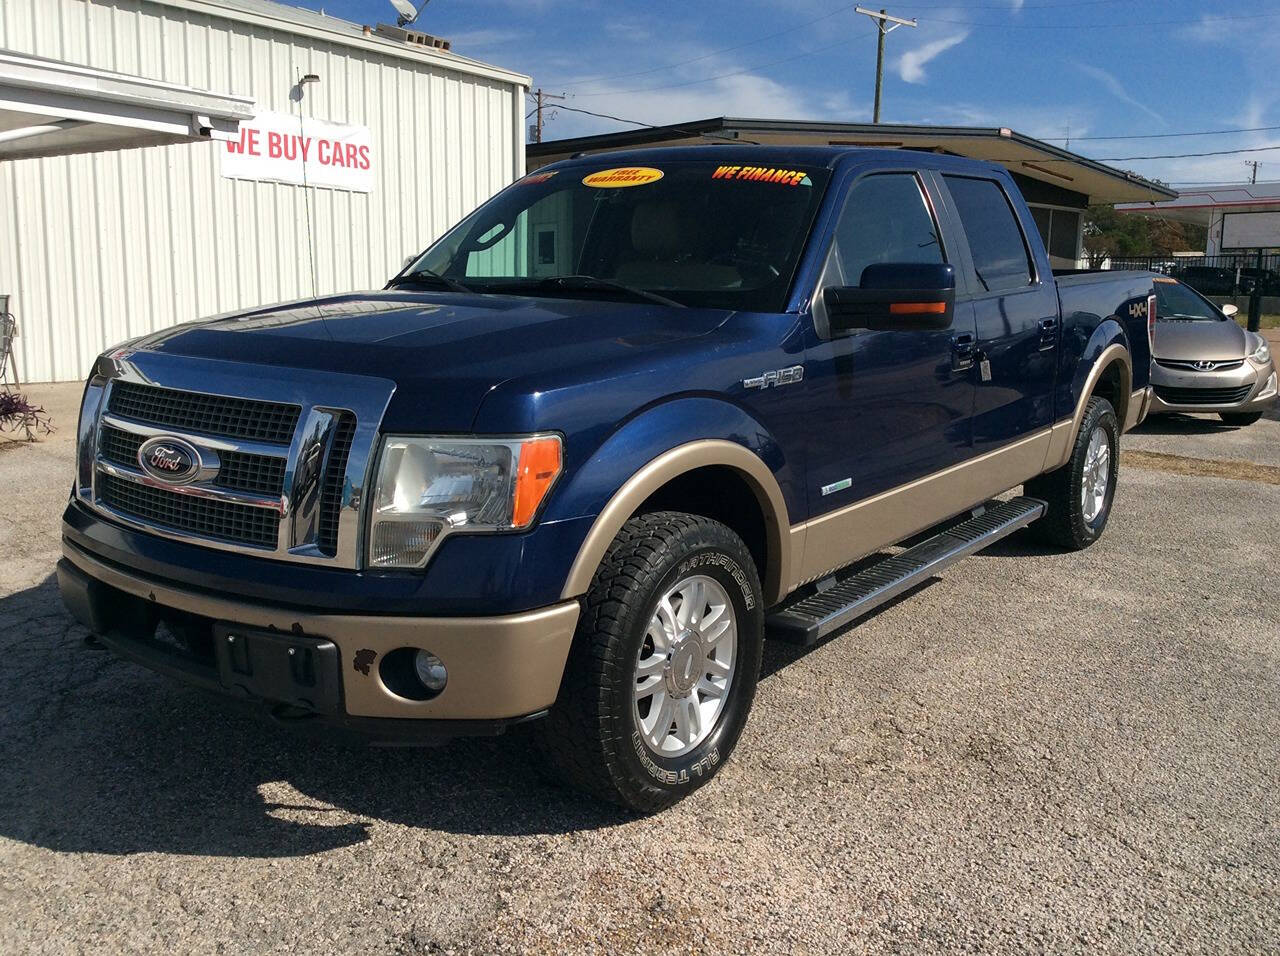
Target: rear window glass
1000,259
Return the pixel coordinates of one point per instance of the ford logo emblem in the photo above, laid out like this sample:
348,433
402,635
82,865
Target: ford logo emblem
170,460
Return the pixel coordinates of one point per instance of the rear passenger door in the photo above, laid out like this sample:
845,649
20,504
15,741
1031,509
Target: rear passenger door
1015,308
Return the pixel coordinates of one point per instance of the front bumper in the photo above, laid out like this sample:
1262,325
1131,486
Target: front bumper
501,669
1242,390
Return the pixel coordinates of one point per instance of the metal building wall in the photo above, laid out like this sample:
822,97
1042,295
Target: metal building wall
96,249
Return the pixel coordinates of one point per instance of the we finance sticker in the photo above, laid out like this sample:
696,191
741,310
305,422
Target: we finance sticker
761,174
623,176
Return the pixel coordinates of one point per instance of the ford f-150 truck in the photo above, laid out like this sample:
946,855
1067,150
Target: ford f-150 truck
579,458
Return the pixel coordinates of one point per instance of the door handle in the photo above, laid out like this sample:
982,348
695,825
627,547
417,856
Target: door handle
1048,333
962,349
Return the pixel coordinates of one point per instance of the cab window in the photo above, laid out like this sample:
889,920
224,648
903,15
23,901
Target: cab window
885,219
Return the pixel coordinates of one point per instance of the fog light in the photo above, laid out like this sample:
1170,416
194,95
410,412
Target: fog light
430,671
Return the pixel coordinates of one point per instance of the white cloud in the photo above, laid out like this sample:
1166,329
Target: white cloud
1015,4
1116,88
911,64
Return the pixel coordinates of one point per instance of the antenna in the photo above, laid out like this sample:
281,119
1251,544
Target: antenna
407,11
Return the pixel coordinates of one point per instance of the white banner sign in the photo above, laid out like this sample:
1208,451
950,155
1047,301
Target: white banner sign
280,148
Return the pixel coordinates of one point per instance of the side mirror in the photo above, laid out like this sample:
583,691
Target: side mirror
1230,310
894,296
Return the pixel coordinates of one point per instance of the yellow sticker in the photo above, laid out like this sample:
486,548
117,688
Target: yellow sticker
623,176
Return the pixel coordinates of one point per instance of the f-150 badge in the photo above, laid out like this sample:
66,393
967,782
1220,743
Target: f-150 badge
780,376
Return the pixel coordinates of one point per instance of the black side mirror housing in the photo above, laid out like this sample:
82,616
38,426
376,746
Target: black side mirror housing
894,297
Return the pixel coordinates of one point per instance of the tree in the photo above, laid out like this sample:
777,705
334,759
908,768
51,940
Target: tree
1110,235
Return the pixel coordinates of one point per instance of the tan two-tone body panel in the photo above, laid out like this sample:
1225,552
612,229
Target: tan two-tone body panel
499,667
799,553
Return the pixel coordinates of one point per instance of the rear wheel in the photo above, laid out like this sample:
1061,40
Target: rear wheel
1240,418
1080,493
664,665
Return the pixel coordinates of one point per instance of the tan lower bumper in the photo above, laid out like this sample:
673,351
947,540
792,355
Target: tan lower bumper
498,667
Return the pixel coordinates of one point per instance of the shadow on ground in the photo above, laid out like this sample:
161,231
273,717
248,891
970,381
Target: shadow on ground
101,756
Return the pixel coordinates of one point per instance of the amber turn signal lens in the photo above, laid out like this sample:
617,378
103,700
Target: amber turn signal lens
917,308
538,469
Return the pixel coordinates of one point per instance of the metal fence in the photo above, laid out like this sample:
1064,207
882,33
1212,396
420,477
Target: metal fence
1234,274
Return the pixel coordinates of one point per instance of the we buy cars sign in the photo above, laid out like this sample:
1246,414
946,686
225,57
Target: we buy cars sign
280,148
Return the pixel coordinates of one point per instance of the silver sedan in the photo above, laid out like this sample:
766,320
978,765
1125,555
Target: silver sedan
1203,361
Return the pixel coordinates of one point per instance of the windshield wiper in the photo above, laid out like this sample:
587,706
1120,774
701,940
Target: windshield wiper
427,276
592,282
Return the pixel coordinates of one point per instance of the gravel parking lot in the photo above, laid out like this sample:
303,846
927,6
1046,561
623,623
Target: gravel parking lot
1034,751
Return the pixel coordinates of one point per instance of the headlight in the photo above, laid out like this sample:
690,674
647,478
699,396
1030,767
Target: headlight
428,488
1261,355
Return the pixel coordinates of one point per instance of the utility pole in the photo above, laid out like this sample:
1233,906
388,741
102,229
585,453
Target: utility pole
537,127
1254,164
883,21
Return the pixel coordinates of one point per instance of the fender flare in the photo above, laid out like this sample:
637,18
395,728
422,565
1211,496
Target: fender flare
1064,434
672,464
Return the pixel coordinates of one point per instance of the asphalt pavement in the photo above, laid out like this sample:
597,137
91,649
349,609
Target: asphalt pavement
1034,751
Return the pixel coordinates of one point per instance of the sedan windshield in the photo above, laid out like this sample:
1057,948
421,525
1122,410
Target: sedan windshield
689,233
1174,301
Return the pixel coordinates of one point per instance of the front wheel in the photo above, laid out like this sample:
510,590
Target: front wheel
1080,493
663,668
1240,418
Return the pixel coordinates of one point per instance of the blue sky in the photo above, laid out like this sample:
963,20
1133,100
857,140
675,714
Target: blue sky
1043,67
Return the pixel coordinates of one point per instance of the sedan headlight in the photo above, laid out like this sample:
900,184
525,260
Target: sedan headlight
428,488
1261,355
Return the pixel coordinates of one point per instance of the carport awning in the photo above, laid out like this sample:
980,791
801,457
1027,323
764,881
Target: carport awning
52,108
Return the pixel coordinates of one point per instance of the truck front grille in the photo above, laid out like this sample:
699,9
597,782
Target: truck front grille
241,418
282,454
240,471
221,520
331,493
1203,396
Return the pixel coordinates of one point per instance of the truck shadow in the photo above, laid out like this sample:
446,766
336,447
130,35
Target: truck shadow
100,756
1181,425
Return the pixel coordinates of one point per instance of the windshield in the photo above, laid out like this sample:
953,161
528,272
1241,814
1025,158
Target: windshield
1175,302
697,233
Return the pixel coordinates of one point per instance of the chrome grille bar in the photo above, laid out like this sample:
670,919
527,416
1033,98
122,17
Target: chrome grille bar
295,500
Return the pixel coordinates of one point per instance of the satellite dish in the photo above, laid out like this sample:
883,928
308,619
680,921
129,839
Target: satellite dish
408,12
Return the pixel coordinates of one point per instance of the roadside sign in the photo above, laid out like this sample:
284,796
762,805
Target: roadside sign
1251,230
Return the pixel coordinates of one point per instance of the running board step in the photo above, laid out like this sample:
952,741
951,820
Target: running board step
814,617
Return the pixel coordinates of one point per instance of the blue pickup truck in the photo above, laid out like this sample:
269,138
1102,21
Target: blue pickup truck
572,466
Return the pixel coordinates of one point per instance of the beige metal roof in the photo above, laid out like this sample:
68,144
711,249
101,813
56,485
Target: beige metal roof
1198,205
1016,152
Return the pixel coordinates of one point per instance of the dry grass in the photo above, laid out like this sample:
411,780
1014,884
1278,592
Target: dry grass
1202,467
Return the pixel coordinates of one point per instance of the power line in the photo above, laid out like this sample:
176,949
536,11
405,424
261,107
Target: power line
1110,25
1129,159
1207,132
721,76
604,78
674,129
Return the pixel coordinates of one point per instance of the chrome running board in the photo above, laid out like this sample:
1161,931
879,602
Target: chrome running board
810,618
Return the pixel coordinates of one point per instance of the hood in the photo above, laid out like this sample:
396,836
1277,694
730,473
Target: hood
1193,341
444,351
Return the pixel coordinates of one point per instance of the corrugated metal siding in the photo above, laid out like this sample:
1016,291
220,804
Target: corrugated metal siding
96,249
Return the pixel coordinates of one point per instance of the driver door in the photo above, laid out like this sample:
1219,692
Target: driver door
889,406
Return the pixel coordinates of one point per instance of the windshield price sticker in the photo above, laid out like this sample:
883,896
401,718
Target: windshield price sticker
759,174
623,176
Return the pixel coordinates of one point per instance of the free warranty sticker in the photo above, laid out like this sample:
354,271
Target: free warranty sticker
623,176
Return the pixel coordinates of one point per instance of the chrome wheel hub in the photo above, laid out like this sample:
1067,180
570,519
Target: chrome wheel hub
1097,475
685,666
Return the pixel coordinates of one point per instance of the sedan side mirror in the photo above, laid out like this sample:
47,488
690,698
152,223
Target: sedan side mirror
894,296
1230,310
